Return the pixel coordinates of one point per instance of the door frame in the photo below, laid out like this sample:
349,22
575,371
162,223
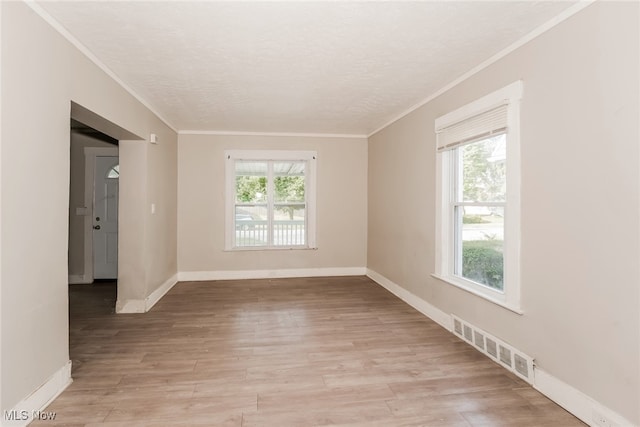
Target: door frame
90,154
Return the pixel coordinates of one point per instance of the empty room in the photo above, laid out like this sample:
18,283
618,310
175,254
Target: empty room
320,213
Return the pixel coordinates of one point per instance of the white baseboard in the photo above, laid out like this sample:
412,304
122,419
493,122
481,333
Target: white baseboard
142,306
193,276
131,306
435,314
579,404
160,292
79,279
32,407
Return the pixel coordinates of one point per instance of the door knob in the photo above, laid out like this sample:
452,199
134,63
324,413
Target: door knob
96,227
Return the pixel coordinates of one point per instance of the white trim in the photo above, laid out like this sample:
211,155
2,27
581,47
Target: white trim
564,15
229,204
571,399
509,94
41,397
269,248
567,13
459,283
1,258
445,225
270,154
90,154
79,279
86,52
156,295
512,220
195,276
576,402
286,134
432,312
130,306
311,158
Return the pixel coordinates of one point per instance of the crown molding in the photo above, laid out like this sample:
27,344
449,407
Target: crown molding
287,134
564,15
86,52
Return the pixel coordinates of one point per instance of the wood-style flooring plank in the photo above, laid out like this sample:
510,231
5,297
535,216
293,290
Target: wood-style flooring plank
336,351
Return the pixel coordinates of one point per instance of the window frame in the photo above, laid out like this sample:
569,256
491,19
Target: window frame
445,260
309,157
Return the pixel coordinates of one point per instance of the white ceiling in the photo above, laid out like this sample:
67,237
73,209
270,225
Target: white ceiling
298,67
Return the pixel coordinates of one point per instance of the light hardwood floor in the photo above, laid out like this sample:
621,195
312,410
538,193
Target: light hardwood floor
282,352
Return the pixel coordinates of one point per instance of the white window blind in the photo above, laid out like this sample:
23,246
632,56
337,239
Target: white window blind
475,128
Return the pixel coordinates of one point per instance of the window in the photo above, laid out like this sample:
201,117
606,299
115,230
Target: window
478,232
270,199
114,172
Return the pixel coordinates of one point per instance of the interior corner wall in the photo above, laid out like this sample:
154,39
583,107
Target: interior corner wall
41,74
580,204
341,205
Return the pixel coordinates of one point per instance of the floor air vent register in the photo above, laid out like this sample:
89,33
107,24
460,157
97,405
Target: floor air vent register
497,350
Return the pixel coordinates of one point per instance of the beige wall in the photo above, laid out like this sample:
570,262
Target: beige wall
41,74
341,204
76,198
580,204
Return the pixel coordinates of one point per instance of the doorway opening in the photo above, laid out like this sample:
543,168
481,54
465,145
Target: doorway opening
103,229
96,147
93,205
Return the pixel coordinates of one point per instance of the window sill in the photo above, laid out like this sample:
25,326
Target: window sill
496,301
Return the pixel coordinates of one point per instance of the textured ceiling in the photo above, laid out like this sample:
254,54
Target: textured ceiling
309,67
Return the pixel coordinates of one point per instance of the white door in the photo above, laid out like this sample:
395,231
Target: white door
105,217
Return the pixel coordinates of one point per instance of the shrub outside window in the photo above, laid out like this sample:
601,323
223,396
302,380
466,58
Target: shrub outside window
479,207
